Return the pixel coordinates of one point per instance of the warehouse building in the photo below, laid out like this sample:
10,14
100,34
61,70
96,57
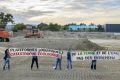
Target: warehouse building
112,27
80,27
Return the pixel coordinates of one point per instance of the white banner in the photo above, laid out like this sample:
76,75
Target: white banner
34,52
76,56
95,55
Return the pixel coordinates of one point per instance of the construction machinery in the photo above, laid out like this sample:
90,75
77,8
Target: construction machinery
4,35
33,33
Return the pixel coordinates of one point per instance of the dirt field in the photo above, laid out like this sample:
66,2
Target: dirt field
20,70
52,43
20,67
109,44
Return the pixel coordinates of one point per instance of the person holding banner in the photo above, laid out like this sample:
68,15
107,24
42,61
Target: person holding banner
6,59
34,59
93,63
58,61
69,60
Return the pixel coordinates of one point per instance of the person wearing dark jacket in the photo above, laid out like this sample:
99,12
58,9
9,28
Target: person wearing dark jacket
69,60
34,59
6,59
93,63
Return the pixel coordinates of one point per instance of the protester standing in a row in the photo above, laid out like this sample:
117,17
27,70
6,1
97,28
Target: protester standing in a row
58,61
6,59
34,59
93,63
69,60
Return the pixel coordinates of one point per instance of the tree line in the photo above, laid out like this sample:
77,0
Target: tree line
5,18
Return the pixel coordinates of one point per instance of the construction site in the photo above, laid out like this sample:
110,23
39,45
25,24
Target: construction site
59,39
85,41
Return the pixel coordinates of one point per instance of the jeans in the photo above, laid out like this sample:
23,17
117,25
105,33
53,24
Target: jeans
58,62
34,60
93,65
7,61
69,64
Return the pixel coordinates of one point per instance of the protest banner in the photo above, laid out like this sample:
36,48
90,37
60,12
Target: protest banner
95,55
76,56
14,52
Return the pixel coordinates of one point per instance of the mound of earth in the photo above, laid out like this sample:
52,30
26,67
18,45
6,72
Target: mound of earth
85,44
59,43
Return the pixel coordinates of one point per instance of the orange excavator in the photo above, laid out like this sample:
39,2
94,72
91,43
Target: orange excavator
4,35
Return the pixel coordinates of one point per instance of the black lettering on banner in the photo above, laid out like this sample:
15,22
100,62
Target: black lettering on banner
11,50
97,52
103,52
88,57
39,49
114,53
95,57
79,58
73,54
79,53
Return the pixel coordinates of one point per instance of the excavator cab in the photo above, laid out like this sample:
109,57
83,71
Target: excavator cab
4,36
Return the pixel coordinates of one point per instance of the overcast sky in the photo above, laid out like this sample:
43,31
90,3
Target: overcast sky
63,11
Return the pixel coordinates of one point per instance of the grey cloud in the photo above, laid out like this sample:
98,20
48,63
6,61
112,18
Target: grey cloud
93,4
23,16
3,0
36,13
5,9
27,13
84,6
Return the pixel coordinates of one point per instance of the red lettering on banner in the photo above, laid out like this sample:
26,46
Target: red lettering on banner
25,53
39,53
52,54
44,54
17,53
12,54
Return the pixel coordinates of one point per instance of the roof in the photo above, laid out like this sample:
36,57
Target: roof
74,27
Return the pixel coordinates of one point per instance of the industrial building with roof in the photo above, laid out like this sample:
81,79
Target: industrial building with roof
79,27
112,28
